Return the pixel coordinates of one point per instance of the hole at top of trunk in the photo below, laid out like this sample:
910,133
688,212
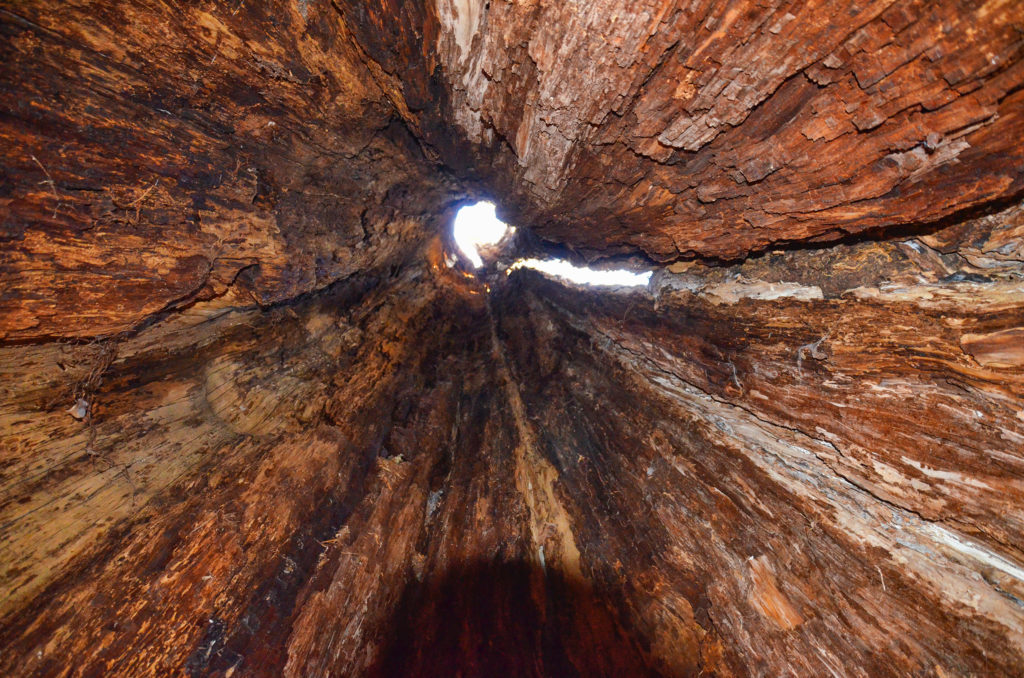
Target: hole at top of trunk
477,228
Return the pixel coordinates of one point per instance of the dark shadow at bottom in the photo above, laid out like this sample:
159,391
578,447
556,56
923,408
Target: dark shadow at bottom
507,619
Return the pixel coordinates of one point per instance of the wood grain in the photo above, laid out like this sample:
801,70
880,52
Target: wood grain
257,418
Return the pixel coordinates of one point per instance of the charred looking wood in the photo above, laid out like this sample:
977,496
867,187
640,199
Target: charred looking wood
258,417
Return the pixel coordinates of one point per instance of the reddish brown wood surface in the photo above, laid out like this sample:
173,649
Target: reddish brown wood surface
253,423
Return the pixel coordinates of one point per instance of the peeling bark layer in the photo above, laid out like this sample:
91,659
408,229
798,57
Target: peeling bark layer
255,421
717,128
727,466
246,153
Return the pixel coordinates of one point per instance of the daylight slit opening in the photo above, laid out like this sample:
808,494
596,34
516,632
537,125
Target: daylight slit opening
477,228
582,275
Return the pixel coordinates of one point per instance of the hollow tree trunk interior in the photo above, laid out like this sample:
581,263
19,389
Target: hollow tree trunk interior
260,417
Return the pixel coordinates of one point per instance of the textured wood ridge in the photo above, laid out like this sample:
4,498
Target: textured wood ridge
713,128
179,154
755,481
255,422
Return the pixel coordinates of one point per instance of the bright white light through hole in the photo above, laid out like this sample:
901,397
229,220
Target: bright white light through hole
583,275
475,226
